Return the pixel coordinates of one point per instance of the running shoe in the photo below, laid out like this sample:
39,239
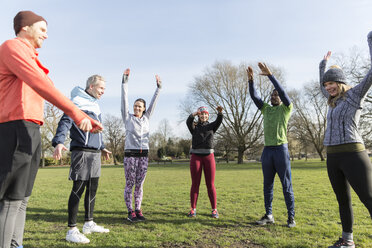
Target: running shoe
215,214
291,222
341,243
74,236
139,215
132,216
192,213
265,220
92,227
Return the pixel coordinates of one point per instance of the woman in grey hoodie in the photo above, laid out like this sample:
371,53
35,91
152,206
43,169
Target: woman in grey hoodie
348,163
136,146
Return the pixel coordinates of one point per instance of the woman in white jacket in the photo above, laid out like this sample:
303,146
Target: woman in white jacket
136,146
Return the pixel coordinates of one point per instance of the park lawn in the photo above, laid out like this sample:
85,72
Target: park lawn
166,203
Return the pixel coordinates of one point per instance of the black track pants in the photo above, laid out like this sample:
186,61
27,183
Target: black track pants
78,187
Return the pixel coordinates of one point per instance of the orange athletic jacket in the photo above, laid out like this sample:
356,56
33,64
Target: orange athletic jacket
24,85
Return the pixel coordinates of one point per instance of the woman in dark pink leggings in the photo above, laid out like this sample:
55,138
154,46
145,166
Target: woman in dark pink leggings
202,156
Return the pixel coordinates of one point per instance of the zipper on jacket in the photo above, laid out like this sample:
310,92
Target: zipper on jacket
86,138
330,133
343,129
141,137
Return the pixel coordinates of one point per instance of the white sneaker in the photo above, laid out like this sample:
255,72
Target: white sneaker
265,220
94,228
74,236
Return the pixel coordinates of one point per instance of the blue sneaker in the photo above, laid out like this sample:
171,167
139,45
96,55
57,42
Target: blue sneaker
215,214
192,213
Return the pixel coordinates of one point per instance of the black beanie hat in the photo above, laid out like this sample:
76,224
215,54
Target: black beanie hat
334,74
25,18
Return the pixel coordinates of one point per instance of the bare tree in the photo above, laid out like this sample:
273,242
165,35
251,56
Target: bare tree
165,131
308,122
227,149
226,84
114,136
51,118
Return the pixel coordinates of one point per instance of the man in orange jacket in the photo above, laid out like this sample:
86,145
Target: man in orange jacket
24,85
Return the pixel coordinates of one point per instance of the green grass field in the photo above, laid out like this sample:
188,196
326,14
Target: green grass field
166,203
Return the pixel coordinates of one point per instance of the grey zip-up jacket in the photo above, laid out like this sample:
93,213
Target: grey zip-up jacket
343,120
136,129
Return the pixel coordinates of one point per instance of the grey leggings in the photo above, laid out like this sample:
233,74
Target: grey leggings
12,222
350,169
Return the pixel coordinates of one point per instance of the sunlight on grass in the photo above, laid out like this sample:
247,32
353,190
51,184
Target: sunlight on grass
166,203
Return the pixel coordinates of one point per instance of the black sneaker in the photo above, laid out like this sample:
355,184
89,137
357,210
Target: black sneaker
132,216
139,215
341,243
291,222
265,220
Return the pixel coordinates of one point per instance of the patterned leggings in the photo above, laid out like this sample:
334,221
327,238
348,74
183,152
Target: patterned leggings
135,173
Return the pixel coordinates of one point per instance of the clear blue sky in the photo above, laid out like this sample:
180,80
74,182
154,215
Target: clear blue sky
179,39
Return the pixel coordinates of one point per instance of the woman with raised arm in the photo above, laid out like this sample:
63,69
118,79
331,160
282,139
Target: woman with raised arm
348,163
202,156
136,149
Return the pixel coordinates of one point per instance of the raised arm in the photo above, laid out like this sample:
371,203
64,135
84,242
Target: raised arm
362,88
218,121
322,67
124,95
152,105
282,94
190,121
252,92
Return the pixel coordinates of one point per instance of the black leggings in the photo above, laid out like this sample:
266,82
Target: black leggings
350,169
90,198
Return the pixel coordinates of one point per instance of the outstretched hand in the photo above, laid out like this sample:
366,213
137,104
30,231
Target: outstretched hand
158,81
85,125
106,154
265,71
327,56
250,73
57,154
97,127
219,109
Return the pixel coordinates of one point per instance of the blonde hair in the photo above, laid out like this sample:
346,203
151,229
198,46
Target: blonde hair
335,67
342,89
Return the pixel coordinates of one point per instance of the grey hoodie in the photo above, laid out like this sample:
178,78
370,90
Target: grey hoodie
343,120
136,129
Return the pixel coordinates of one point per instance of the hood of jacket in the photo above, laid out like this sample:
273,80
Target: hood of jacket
84,101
